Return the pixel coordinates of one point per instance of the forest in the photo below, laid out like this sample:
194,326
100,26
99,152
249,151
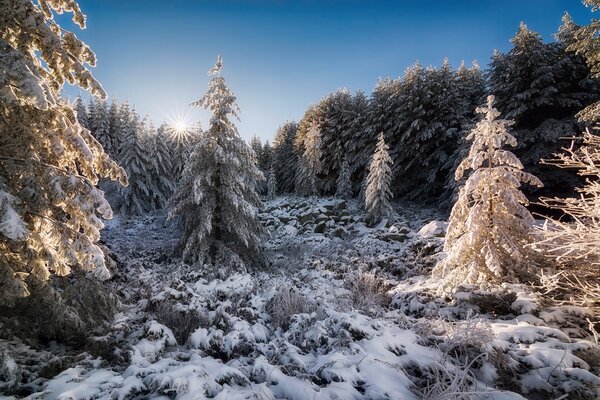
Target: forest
437,238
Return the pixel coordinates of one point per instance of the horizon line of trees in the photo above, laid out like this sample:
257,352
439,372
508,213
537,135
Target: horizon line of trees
426,114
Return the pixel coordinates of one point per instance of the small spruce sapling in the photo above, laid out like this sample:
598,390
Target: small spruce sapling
378,194
271,185
344,183
490,231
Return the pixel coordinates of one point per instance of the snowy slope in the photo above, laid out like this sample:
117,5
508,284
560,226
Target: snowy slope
344,312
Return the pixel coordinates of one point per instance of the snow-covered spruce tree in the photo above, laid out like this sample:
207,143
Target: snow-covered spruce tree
135,158
180,145
585,43
82,113
49,164
114,128
490,230
124,122
285,157
271,185
378,193
100,124
309,162
217,198
161,170
265,162
257,148
344,184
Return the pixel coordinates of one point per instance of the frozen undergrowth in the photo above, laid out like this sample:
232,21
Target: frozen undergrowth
345,312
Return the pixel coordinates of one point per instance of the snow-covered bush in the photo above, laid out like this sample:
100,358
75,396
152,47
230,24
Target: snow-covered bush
368,291
490,230
286,303
575,240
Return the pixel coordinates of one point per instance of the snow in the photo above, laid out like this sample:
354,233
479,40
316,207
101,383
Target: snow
302,329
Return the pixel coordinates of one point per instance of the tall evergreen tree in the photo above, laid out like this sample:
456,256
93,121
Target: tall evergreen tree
114,127
265,160
82,113
378,193
344,184
217,197
100,124
285,157
125,123
50,209
360,141
257,148
541,87
180,145
161,170
309,162
135,158
271,185
490,229
585,43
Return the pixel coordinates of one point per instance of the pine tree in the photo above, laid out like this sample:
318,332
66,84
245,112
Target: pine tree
181,145
490,229
266,159
217,197
162,186
344,184
378,194
100,125
585,43
271,185
360,141
285,157
135,158
114,128
49,164
309,163
125,123
257,148
82,113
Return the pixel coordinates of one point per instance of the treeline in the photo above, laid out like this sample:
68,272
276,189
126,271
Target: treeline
426,114
154,158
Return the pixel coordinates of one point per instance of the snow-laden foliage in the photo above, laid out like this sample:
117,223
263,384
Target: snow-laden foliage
180,144
490,229
285,158
309,161
378,193
135,158
344,183
115,128
271,184
217,198
577,241
50,164
99,124
82,113
336,318
161,170
585,43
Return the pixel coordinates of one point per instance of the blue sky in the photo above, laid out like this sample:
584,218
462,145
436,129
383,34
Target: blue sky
280,56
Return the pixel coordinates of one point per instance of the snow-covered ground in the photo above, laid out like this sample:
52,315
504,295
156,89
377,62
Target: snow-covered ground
342,312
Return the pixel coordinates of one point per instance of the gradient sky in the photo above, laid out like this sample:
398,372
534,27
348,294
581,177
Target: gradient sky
280,56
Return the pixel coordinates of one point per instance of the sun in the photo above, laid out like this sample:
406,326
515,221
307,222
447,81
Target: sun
180,125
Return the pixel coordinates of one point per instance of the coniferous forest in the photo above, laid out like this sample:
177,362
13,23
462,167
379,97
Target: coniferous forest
436,238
